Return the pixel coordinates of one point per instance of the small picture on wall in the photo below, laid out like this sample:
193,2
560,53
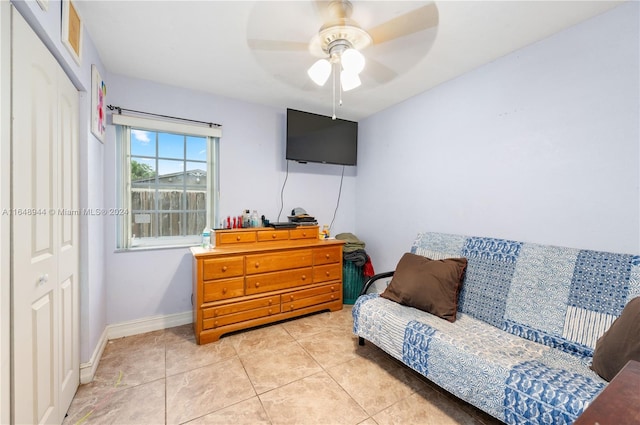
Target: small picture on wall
72,30
98,104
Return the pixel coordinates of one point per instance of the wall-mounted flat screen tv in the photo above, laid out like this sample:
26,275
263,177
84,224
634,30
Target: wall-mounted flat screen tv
318,138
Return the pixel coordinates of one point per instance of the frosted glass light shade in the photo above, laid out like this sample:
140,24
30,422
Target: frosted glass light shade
352,61
319,72
349,80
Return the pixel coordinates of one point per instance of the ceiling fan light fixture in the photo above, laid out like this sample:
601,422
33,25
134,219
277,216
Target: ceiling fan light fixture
352,61
320,71
349,80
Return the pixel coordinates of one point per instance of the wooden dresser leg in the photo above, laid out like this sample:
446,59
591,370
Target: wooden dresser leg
360,340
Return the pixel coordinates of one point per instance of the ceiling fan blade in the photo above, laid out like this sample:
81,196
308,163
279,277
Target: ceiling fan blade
379,72
417,20
257,44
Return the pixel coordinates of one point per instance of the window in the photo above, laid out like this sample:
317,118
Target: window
168,182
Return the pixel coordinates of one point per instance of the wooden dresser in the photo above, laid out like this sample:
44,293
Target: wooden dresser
262,275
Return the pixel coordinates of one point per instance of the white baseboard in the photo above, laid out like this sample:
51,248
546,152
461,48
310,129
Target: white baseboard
148,324
133,327
88,369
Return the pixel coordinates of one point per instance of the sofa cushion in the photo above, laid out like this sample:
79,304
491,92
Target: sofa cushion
502,374
620,343
429,285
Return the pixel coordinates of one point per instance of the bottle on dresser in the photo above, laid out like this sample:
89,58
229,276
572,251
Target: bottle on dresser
206,238
246,218
255,219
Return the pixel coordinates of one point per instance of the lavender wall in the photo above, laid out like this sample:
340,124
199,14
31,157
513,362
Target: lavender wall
253,170
541,145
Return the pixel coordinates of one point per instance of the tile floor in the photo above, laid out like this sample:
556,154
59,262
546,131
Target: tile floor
303,371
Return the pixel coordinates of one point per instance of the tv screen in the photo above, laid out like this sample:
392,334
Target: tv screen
318,138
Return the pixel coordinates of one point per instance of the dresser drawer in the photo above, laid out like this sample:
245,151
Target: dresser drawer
306,302
240,306
221,289
273,235
218,268
261,263
310,232
312,292
224,238
327,255
327,272
215,322
278,280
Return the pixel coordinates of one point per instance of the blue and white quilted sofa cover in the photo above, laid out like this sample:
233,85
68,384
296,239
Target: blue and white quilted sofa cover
528,319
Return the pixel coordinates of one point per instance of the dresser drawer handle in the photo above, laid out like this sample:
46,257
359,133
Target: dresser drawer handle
215,324
274,236
327,274
327,256
333,289
270,302
333,296
224,290
270,311
304,277
257,284
304,234
291,297
291,306
215,312
224,268
257,264
238,237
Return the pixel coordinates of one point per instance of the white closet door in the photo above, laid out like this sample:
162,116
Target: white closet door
67,241
45,253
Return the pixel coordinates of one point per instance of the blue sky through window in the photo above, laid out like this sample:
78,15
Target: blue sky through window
171,148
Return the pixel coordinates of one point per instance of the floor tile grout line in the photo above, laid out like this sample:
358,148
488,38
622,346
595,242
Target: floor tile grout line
244,368
221,408
301,338
350,396
326,371
410,394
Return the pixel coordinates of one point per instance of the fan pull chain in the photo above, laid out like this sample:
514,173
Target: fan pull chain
338,66
340,88
334,91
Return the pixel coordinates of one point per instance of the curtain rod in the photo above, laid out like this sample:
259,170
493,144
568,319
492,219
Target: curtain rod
119,109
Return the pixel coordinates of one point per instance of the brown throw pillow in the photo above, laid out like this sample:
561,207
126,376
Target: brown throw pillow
429,285
620,343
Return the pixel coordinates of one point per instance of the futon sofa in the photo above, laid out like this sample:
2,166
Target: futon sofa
527,320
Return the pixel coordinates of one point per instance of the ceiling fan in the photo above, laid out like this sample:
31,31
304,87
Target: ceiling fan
340,41
342,47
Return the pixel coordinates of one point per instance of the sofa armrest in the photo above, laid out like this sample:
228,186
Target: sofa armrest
373,279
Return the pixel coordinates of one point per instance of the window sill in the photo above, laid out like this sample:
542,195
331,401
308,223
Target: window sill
155,248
